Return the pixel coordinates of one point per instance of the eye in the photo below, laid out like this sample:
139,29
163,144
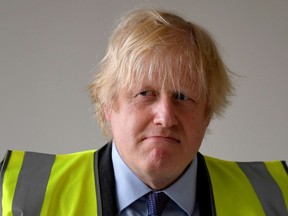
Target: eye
181,97
147,93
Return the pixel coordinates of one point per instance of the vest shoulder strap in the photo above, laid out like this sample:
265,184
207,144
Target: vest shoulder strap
248,188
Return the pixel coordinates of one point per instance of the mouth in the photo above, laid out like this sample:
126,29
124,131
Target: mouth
162,139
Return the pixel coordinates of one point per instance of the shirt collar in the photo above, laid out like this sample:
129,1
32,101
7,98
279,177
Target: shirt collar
183,191
130,188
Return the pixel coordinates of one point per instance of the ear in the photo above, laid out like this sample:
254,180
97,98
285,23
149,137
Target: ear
208,120
108,113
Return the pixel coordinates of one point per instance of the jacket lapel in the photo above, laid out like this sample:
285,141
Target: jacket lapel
105,181
204,194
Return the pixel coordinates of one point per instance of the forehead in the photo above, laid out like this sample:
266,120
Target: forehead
162,68
176,80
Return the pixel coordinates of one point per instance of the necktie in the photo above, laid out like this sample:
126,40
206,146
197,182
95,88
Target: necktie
156,203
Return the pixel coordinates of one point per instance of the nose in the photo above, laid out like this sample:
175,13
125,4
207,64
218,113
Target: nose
165,112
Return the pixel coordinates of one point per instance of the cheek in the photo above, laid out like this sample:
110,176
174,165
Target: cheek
195,130
127,125
136,117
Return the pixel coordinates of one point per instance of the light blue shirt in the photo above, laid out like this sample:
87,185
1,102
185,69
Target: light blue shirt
130,191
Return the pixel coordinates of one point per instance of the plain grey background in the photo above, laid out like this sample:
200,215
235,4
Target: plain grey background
49,47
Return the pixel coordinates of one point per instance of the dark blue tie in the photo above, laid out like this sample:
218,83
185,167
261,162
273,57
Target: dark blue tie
156,203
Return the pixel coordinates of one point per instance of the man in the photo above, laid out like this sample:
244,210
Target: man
156,90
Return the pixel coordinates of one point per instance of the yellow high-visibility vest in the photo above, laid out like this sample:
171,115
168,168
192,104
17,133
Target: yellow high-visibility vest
49,185
65,185
249,188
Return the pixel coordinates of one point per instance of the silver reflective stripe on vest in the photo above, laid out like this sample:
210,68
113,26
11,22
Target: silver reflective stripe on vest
265,187
31,185
3,166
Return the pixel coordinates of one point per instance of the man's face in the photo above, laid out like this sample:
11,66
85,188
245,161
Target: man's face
158,130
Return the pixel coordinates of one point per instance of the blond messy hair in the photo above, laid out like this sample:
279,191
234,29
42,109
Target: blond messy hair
148,42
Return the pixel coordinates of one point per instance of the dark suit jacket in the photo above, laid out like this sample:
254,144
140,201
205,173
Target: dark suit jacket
106,182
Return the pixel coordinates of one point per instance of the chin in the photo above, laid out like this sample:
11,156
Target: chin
159,158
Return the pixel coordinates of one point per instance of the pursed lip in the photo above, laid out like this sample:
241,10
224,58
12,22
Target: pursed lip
162,138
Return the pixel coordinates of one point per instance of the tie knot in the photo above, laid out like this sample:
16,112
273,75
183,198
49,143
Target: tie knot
156,203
